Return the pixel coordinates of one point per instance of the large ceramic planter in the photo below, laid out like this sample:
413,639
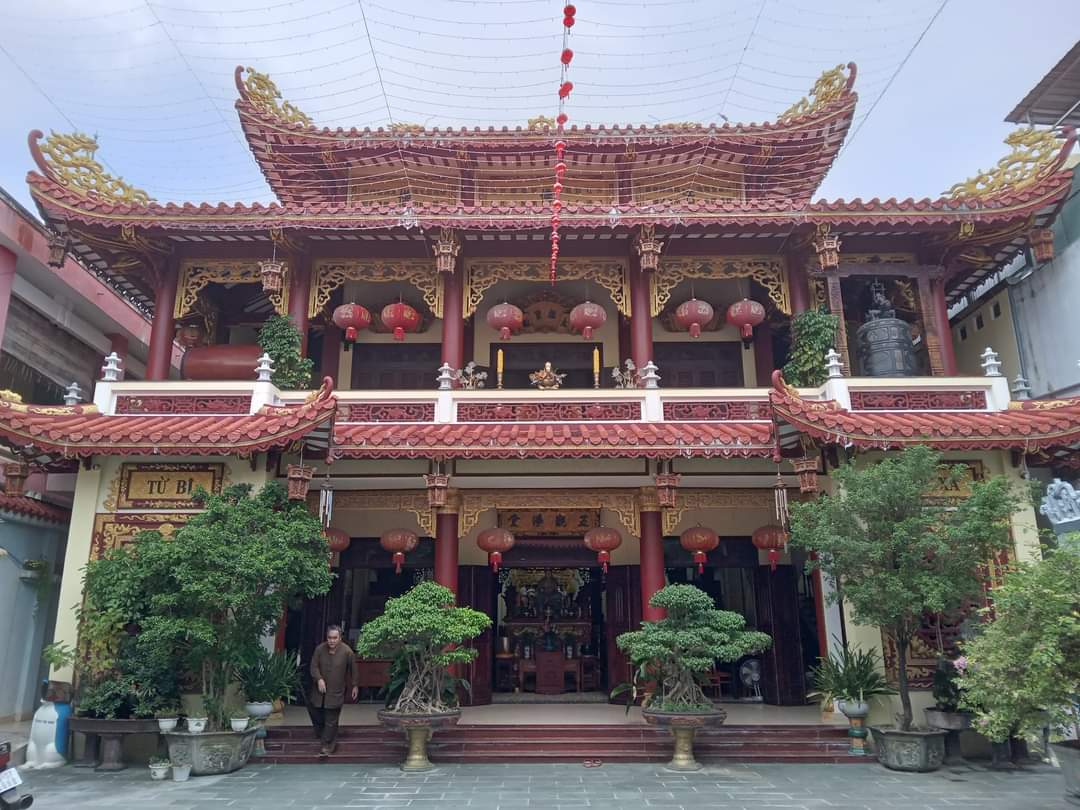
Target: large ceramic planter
952,723
104,740
683,726
856,712
1068,755
211,752
909,750
418,729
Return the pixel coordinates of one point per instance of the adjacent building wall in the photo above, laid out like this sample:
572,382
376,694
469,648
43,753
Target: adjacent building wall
987,325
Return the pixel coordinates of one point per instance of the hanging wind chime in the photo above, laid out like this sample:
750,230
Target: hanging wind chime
565,86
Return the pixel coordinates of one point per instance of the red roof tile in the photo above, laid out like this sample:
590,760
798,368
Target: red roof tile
33,508
554,440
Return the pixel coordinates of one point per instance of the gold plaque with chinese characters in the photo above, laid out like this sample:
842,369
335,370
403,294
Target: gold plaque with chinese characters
548,522
166,486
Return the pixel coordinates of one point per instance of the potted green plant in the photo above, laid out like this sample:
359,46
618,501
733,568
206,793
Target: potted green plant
168,718
898,554
674,654
425,633
280,339
266,677
851,679
239,722
813,333
946,713
1023,668
159,769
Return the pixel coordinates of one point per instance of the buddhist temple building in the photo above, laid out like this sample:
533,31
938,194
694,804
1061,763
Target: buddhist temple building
475,396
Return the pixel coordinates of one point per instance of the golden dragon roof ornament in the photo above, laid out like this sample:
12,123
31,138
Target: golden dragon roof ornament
828,88
1036,154
69,160
263,95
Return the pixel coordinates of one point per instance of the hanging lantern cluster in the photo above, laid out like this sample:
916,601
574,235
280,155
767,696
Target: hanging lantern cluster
495,542
586,317
507,318
772,539
298,478
272,272
699,541
352,318
565,88
806,469
398,542
401,318
603,541
745,315
693,315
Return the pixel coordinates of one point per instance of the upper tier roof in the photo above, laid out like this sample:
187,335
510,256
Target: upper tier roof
786,159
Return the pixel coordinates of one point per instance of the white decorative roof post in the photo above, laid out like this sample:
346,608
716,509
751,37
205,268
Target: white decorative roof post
265,369
650,381
650,376
112,371
73,395
264,392
836,384
1020,388
990,363
834,367
446,377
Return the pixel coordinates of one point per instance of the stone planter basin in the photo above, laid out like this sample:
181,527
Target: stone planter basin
950,721
211,752
1068,755
418,729
105,738
683,727
915,750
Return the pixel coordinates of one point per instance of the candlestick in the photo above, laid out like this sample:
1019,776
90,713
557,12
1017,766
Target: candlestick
499,369
596,367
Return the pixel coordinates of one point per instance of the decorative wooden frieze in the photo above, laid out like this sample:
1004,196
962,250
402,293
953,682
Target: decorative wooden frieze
549,412
715,499
112,530
918,400
722,410
182,405
387,412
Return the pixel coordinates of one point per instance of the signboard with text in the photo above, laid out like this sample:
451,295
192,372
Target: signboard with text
166,486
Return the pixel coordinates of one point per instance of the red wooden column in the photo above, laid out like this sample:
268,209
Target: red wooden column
798,285
331,354
941,312
652,556
763,354
453,337
641,342
163,327
299,293
446,547
7,280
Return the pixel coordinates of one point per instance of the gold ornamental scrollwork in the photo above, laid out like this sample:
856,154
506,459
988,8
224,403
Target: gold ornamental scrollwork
768,271
1036,154
481,276
827,89
413,501
264,95
329,274
715,499
623,502
70,161
196,275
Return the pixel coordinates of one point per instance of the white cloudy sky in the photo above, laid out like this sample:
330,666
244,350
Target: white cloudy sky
153,78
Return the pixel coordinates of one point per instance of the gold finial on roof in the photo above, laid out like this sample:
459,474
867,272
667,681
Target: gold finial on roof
1036,154
10,396
541,122
830,86
405,128
264,96
69,159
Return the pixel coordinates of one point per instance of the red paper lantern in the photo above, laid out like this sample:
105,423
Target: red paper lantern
693,315
603,541
401,318
399,542
352,318
699,540
561,119
495,542
568,22
569,10
337,540
772,539
745,315
565,88
586,317
507,318
567,56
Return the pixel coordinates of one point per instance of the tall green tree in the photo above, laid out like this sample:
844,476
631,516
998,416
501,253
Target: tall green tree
1025,663
201,600
898,553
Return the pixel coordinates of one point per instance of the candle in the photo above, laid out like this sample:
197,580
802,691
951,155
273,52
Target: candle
596,361
499,362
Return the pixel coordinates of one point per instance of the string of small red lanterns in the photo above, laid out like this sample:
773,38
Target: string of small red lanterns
565,87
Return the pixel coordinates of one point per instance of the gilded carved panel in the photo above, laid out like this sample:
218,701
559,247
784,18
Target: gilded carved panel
768,271
483,275
196,275
329,274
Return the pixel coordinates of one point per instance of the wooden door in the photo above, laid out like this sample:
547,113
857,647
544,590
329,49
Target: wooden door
623,613
476,589
777,596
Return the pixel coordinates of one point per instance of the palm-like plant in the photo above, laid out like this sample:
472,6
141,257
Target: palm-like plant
852,675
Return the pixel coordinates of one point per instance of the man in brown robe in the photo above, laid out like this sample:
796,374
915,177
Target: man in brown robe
333,671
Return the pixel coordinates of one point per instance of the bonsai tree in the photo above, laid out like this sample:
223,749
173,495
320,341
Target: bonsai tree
897,553
1025,664
676,652
200,601
423,632
813,333
280,339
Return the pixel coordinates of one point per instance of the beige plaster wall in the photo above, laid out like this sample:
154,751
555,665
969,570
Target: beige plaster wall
997,332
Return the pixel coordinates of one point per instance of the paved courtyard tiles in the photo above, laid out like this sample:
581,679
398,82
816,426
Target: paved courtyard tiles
519,787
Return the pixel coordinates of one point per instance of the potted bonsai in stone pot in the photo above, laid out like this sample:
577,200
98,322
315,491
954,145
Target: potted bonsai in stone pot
946,713
423,632
1023,668
674,654
898,553
851,679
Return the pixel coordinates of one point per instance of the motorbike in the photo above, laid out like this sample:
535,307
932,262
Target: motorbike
10,794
